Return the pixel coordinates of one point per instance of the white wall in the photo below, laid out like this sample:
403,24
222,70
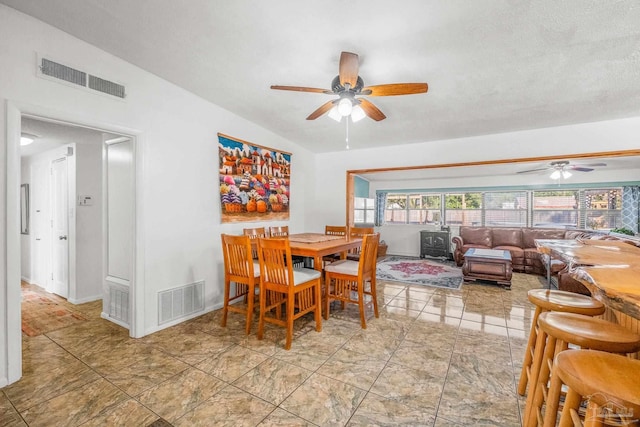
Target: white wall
329,205
89,221
179,211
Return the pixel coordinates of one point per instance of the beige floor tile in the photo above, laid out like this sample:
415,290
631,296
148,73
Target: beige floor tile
232,363
273,380
231,407
378,411
128,413
357,369
324,401
76,406
180,393
415,387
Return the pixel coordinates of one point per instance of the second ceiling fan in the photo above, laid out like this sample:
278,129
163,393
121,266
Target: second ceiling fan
348,85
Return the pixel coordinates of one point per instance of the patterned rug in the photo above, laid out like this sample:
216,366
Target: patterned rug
428,272
42,314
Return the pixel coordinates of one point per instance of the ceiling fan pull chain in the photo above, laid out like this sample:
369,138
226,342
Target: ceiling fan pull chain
347,137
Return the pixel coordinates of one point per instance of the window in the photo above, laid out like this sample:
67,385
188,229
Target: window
596,208
424,209
396,209
463,209
603,208
505,209
558,209
363,210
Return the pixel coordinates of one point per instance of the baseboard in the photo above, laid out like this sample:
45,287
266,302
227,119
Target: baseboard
85,299
105,316
26,279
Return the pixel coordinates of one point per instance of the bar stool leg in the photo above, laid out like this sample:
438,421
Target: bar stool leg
593,416
528,356
571,402
551,409
535,398
542,343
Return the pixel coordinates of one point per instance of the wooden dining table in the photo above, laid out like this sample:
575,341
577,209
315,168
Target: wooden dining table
318,245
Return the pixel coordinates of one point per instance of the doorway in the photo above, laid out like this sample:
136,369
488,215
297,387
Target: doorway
68,168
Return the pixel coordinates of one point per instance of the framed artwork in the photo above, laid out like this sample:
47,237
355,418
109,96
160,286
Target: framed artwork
254,181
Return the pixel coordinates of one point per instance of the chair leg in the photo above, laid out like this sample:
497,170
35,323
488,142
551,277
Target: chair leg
571,401
251,294
533,378
290,306
374,295
363,322
537,389
318,311
263,308
327,284
225,307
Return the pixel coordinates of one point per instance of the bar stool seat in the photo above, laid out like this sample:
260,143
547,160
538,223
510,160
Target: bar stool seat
556,330
552,300
610,383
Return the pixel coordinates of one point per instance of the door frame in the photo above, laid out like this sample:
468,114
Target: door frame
11,336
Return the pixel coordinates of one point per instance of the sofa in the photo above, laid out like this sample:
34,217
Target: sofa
520,242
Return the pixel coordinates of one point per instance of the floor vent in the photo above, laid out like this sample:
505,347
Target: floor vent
119,304
71,75
180,302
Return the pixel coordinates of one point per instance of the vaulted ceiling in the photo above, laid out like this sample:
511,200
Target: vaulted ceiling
492,66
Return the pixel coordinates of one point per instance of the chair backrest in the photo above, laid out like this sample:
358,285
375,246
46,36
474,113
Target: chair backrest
237,252
280,231
360,231
255,233
274,256
368,255
335,230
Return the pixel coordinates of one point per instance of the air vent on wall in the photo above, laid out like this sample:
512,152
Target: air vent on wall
180,302
71,75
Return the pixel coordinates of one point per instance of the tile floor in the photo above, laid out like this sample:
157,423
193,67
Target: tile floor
434,358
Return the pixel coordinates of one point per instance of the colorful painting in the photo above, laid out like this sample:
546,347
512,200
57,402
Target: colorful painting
254,181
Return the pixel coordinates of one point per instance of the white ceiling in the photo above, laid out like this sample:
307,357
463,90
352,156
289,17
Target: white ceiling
492,66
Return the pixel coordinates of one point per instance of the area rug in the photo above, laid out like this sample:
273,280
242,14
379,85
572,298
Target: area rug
41,314
427,272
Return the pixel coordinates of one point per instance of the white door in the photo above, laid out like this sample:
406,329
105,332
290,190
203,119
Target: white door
59,228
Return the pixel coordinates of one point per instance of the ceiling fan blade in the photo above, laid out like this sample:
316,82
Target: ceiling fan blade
371,110
348,69
302,89
320,111
592,164
395,89
580,169
535,170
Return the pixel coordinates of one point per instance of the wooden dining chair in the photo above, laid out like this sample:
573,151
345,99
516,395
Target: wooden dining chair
283,231
244,272
279,231
333,230
280,284
255,233
354,254
346,280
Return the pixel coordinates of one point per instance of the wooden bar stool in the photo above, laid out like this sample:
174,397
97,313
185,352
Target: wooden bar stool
556,331
552,300
610,383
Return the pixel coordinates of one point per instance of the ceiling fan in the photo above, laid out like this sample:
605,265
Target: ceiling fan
563,168
347,85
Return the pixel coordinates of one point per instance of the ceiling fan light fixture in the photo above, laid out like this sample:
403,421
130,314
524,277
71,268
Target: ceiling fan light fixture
345,107
566,174
334,114
555,174
357,113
